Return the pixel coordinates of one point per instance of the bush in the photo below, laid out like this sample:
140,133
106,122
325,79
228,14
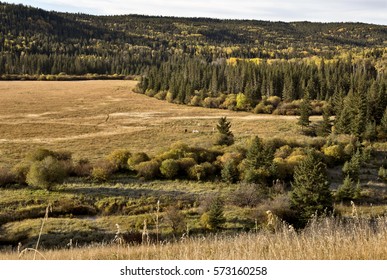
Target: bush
45,173
349,149
230,102
248,195
160,95
175,219
274,100
334,154
196,101
201,171
20,171
237,157
263,109
39,154
212,102
136,159
62,155
382,173
119,159
259,109
242,102
102,170
284,170
6,177
283,152
169,97
169,168
185,164
294,161
82,168
148,169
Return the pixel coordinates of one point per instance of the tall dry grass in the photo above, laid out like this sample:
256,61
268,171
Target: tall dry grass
324,239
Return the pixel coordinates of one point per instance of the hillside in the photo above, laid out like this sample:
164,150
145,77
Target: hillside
34,41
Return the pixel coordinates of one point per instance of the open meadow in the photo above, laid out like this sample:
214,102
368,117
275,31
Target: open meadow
127,217
93,118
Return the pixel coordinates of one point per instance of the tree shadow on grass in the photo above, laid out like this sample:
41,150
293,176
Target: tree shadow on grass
134,193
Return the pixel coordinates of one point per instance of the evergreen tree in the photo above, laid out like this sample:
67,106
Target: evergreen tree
258,165
230,172
310,190
215,215
305,109
345,116
351,168
348,190
224,135
325,126
382,129
370,131
288,89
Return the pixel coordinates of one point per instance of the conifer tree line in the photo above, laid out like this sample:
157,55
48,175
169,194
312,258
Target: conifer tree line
353,91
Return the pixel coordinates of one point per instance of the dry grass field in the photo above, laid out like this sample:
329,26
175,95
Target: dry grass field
92,118
326,239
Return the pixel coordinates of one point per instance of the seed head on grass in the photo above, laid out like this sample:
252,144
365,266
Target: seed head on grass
35,250
118,238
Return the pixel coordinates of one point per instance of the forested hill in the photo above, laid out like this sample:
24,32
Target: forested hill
34,41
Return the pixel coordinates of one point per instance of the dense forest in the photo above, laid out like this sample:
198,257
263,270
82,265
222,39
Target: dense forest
34,41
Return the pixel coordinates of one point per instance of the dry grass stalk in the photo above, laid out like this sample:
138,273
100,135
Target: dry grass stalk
273,222
145,234
48,209
157,221
118,238
35,250
354,210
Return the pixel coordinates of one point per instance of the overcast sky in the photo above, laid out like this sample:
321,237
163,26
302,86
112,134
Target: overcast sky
369,11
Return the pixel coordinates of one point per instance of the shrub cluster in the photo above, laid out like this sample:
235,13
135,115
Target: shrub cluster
43,168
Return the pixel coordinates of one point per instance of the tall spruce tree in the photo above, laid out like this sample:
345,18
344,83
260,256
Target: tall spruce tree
382,129
325,126
305,109
259,162
216,214
224,135
310,190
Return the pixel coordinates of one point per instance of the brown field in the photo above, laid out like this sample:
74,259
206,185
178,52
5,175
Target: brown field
92,118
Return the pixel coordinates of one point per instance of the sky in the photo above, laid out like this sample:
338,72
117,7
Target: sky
367,11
